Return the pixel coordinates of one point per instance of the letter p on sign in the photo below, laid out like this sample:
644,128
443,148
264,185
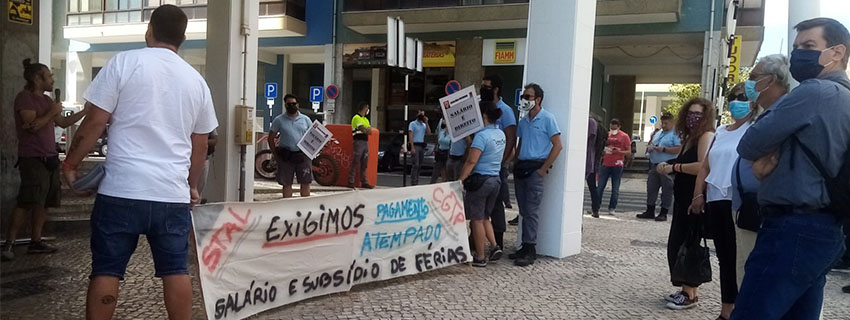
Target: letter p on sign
316,94
271,90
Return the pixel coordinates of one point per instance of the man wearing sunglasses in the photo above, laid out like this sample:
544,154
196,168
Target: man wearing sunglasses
539,146
291,126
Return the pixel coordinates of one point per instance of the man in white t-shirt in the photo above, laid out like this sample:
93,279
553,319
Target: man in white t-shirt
160,113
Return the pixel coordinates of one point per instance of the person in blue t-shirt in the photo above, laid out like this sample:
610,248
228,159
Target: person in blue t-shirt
491,90
539,146
664,146
441,154
416,132
480,176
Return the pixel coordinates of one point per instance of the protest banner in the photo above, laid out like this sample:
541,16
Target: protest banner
257,256
314,140
460,109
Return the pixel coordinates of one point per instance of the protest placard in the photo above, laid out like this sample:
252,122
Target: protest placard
314,140
257,256
460,109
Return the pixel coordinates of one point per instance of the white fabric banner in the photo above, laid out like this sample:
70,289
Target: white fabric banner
257,256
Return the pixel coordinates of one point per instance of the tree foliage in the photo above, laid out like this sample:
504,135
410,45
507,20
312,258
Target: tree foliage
683,92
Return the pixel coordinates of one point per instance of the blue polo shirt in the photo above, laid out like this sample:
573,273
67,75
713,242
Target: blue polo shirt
418,128
665,139
291,130
458,148
444,140
491,141
507,119
535,135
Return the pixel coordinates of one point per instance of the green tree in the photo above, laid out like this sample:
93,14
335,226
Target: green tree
683,93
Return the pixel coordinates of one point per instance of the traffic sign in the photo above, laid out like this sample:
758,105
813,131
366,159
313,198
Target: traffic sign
653,119
452,87
332,91
271,90
316,94
517,97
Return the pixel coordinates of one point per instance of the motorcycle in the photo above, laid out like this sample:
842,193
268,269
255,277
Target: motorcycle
325,166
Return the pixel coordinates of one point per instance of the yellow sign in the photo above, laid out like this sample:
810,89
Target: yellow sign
505,51
735,61
20,11
438,54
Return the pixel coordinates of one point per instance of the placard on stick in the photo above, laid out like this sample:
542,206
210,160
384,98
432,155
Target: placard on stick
461,112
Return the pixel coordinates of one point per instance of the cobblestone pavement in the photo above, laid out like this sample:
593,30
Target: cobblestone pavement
621,273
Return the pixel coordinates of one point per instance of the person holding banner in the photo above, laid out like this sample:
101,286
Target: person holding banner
361,129
539,146
416,132
481,181
291,161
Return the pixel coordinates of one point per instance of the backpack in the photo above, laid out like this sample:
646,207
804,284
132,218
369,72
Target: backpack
601,142
838,186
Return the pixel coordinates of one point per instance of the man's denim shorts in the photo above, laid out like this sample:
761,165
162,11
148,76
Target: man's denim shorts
116,224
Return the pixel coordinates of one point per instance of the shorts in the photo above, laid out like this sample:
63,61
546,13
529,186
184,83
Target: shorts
299,166
40,187
479,204
116,224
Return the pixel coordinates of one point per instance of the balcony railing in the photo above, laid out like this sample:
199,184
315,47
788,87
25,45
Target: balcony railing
101,12
371,5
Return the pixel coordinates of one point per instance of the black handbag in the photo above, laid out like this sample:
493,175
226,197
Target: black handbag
51,163
747,217
524,168
474,182
692,266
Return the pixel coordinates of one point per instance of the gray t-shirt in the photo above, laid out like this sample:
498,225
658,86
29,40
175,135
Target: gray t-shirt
291,130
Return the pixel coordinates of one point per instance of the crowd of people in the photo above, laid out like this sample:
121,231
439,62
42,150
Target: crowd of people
765,188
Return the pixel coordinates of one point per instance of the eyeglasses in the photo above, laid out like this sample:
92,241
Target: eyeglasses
527,97
741,97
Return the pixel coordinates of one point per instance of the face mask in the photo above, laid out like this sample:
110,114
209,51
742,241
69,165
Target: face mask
526,105
486,94
291,108
805,64
693,119
750,89
739,109
615,132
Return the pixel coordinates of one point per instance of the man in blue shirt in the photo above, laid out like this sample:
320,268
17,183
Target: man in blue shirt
416,132
291,126
664,147
539,146
491,90
800,237
441,154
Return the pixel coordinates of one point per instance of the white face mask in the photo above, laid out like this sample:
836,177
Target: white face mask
526,105
615,131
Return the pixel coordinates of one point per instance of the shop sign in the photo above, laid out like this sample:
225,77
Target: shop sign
505,52
20,11
434,54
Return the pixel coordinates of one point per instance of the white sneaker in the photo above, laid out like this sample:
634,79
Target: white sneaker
611,212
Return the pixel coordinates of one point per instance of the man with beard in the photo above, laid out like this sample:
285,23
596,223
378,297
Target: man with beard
291,126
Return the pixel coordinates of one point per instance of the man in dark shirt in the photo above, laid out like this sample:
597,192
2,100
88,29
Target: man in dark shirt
800,237
36,115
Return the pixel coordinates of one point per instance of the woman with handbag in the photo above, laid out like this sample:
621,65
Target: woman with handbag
480,176
695,126
713,193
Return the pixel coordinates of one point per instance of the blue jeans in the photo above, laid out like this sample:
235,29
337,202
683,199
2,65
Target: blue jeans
616,174
786,271
116,224
529,195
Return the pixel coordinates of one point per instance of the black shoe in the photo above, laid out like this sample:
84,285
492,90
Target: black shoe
528,258
496,254
648,214
595,214
479,263
661,217
518,254
514,221
846,289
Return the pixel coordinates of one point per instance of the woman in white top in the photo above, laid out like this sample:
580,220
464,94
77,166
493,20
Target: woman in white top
713,193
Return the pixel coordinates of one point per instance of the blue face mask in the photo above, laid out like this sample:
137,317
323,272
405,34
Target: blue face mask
739,109
805,64
750,89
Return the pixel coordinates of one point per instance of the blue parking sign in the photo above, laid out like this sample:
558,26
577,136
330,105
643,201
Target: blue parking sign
316,94
517,97
271,90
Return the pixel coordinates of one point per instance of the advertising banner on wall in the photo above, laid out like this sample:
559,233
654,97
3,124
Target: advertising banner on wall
261,255
373,55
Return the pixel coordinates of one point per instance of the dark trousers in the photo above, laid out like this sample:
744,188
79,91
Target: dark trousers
680,228
498,217
595,197
723,229
360,161
786,272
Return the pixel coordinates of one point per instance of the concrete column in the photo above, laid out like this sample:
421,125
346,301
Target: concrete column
563,69
45,32
624,101
711,74
468,69
378,119
229,82
799,11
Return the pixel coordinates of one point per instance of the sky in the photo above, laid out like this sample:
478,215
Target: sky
776,22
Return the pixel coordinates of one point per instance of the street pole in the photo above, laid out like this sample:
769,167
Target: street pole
406,151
